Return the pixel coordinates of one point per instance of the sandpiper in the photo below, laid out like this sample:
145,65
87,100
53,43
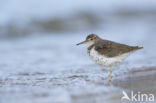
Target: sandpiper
107,53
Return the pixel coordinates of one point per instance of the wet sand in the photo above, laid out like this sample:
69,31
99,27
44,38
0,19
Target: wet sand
137,80
141,80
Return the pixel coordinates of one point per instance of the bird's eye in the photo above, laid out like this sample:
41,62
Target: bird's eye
91,39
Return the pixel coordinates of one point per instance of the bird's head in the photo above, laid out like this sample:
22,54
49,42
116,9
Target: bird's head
90,40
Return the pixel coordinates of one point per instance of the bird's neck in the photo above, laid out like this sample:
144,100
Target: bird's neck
90,47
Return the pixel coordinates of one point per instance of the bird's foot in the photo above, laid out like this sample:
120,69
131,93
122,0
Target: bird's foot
110,81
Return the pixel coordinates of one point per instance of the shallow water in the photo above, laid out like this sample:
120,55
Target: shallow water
52,69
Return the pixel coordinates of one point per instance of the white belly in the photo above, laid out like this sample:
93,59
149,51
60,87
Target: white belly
106,61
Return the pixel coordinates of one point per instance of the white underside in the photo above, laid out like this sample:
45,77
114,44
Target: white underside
107,61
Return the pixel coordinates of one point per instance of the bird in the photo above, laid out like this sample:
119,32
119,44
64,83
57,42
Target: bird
107,53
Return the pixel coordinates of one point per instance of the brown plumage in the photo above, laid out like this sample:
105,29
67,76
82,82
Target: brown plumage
109,48
112,49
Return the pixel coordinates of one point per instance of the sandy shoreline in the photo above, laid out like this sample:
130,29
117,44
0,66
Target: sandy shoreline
138,80
141,80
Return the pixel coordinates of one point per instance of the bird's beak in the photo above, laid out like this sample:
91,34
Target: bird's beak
82,42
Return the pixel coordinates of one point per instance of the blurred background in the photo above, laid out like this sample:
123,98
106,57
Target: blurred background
41,63
20,18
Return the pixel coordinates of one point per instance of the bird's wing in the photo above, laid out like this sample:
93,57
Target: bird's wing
112,49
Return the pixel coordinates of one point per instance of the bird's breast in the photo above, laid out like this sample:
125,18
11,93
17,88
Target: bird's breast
104,60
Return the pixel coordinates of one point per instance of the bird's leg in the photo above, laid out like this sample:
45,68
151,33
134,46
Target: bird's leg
110,76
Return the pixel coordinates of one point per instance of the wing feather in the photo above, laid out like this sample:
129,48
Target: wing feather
112,49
